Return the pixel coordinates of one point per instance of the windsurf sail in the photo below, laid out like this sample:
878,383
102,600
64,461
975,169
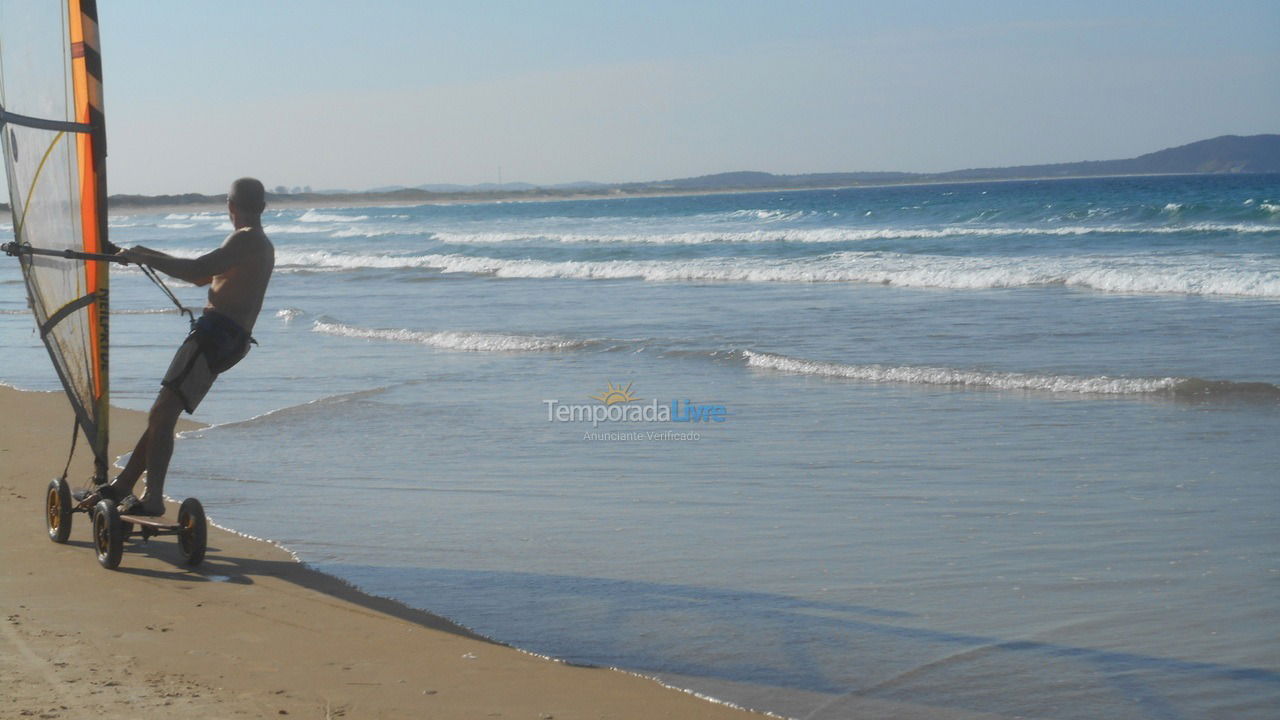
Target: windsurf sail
54,144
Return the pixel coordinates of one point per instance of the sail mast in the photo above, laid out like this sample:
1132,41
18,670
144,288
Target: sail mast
86,75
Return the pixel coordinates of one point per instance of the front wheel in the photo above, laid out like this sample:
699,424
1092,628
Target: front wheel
108,536
192,531
57,510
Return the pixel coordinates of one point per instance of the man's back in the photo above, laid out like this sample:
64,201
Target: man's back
238,291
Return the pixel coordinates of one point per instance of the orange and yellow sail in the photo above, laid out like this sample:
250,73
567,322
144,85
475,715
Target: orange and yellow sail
54,143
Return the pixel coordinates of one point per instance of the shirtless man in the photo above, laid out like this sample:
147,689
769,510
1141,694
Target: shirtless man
237,274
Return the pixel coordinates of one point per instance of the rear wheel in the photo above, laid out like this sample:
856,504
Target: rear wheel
192,531
57,510
108,536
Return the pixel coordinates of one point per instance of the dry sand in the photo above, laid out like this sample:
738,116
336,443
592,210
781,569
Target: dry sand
250,633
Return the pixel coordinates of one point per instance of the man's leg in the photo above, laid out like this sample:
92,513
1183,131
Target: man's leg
124,482
156,448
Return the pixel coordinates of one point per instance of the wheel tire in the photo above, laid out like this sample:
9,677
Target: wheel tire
193,531
57,510
108,538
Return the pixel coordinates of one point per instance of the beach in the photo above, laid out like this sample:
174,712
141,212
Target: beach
879,398
250,633
974,450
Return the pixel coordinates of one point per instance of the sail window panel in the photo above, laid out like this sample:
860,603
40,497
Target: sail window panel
36,62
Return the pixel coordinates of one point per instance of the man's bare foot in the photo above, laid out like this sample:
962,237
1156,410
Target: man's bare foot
132,505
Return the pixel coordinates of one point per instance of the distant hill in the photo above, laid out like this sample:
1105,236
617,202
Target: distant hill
1225,154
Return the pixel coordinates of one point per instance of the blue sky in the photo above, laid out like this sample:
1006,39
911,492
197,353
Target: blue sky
360,94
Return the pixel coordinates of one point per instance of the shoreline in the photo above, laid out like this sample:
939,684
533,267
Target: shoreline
253,631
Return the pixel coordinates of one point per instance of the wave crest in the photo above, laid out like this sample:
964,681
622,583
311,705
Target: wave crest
839,234
965,378
453,340
1176,387
1244,276
316,216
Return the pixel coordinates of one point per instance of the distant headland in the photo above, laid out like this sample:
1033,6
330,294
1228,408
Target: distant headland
1220,155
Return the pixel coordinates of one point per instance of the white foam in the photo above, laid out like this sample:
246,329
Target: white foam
145,311
840,234
766,215
288,229
325,260
288,315
353,232
451,340
315,216
1242,275
965,378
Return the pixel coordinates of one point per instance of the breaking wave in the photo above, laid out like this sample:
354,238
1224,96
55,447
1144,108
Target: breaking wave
315,216
453,340
840,234
145,311
956,377
1239,275
1182,388
288,315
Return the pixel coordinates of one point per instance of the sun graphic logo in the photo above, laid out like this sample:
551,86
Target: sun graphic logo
615,395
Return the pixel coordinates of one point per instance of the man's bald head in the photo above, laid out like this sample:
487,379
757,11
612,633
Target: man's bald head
248,196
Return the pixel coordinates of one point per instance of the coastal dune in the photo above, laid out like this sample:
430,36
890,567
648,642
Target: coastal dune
250,633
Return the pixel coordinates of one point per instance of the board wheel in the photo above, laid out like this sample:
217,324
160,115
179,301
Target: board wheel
192,531
108,536
57,510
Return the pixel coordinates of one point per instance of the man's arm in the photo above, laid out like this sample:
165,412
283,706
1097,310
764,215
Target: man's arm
198,271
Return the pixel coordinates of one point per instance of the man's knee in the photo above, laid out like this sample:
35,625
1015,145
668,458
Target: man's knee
166,409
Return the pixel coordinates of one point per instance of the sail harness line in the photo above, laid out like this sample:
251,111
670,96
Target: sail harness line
151,274
13,248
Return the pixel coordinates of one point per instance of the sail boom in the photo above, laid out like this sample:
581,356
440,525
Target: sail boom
17,249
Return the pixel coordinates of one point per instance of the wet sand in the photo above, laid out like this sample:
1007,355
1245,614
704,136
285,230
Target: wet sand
250,633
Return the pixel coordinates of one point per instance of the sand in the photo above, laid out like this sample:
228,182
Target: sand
250,633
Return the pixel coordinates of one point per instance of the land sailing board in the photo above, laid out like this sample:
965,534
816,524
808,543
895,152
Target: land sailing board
111,528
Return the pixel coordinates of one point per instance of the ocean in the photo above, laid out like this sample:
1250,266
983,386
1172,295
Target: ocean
1001,448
